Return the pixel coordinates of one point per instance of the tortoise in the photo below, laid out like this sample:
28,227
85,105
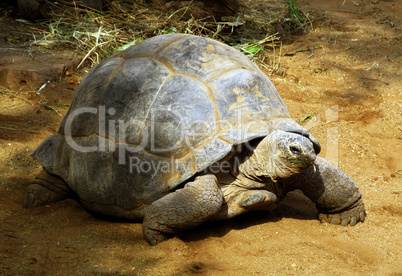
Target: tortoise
181,129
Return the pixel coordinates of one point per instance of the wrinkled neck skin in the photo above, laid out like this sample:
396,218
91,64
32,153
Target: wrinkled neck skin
249,168
258,163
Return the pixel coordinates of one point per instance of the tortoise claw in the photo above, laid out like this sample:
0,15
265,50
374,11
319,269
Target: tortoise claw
349,217
36,195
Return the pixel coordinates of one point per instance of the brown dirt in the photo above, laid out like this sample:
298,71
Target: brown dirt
357,70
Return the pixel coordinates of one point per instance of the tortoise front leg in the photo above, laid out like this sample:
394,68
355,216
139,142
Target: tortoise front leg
335,195
247,200
182,209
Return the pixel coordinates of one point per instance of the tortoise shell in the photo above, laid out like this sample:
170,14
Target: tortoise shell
148,118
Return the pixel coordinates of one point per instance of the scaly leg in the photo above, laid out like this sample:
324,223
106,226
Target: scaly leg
336,196
247,200
44,189
182,209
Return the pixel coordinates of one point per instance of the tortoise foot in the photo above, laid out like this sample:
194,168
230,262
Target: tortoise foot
155,233
349,217
45,188
185,208
36,195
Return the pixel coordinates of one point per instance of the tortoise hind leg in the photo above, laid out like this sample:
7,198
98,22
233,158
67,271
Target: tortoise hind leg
44,189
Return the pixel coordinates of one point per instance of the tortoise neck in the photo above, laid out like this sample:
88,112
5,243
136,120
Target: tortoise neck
256,162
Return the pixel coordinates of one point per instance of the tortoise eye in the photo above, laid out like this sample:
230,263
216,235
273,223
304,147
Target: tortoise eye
295,150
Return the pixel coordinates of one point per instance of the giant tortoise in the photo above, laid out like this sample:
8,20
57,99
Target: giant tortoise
182,129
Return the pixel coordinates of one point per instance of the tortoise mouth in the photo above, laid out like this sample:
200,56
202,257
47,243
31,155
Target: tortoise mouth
303,162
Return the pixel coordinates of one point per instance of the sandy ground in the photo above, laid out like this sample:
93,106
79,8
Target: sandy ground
351,83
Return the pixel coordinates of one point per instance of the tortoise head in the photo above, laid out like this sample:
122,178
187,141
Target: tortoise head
284,154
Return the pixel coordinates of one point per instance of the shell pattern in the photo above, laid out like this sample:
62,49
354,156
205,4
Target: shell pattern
150,117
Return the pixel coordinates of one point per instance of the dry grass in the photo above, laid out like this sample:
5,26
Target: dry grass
99,34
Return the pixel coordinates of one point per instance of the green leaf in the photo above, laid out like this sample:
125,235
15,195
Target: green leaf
170,30
306,118
254,49
128,45
62,105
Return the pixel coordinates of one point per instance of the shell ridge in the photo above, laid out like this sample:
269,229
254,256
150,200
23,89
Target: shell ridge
150,107
96,126
171,41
